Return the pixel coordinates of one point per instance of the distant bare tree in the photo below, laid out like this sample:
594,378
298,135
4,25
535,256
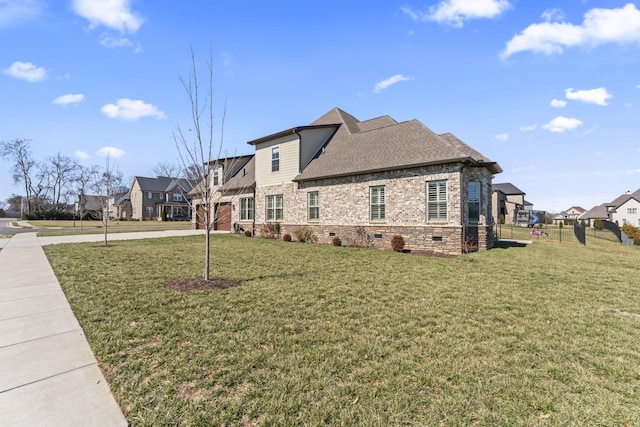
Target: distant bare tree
167,169
197,147
83,178
19,152
62,172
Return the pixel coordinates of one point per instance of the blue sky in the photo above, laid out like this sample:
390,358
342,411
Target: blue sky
548,89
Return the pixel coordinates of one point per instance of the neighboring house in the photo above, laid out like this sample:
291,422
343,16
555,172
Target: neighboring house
90,206
597,212
120,206
160,199
231,185
345,178
507,200
625,209
569,216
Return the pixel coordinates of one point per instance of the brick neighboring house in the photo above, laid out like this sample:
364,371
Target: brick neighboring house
160,199
346,178
507,200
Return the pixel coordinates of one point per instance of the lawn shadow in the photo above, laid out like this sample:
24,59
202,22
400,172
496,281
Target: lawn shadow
507,244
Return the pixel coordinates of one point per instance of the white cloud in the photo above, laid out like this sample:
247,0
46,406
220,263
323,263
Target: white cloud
558,103
597,96
389,82
502,137
529,128
112,152
456,12
26,71
553,15
81,155
70,98
15,11
600,26
561,124
114,14
131,109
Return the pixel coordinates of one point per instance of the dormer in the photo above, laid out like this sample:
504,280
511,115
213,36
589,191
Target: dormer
280,157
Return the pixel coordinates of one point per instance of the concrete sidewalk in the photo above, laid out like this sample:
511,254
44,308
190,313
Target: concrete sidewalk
48,373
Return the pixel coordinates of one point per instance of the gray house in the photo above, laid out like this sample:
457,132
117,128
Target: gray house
343,177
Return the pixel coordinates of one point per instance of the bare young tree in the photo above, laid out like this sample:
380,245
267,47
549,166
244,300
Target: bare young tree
19,152
104,184
197,147
83,179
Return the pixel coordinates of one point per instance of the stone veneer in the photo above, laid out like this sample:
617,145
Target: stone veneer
344,209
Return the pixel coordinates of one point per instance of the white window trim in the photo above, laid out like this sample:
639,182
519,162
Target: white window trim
478,202
438,202
316,206
382,214
275,209
246,209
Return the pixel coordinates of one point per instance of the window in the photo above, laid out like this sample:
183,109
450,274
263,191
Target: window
376,201
632,211
437,201
215,175
177,197
246,209
274,207
474,201
149,210
313,208
275,159
149,195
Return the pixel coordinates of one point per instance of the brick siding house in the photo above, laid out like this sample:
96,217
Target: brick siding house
160,199
347,178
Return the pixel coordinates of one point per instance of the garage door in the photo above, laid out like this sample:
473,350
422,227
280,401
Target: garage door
223,217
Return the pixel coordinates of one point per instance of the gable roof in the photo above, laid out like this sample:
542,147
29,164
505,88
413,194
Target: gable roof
595,212
382,144
507,188
624,198
162,184
239,173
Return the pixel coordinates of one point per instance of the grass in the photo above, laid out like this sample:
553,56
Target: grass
319,335
65,228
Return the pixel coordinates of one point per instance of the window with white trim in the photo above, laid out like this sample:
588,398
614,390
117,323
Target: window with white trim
246,209
632,211
215,175
177,197
376,203
313,206
473,201
437,200
275,159
274,208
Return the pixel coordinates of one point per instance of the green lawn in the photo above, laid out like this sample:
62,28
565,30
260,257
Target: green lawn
63,228
546,334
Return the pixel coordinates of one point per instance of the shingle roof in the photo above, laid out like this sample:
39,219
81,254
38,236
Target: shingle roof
596,212
383,144
507,188
620,200
244,176
162,183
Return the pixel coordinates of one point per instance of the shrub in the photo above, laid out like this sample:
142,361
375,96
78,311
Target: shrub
270,230
248,233
362,238
305,234
397,243
502,219
597,224
336,241
633,232
286,237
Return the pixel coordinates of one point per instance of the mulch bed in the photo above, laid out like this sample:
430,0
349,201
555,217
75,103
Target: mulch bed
199,284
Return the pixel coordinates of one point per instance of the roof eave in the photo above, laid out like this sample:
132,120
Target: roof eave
290,131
